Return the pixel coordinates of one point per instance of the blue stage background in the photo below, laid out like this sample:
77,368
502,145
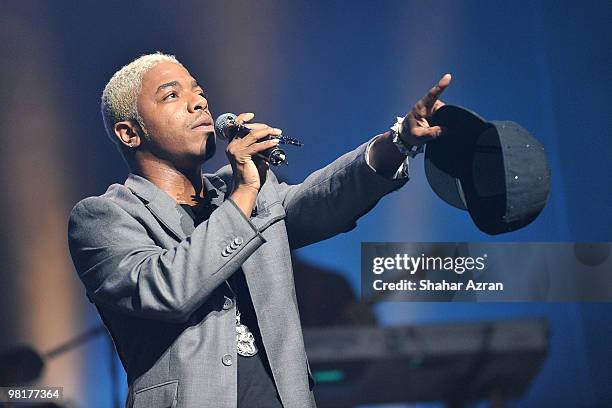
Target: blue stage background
334,74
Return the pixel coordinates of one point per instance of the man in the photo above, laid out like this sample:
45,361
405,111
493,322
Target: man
191,273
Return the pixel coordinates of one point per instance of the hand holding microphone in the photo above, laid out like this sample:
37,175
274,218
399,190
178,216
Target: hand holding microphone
229,126
249,174
252,148
245,152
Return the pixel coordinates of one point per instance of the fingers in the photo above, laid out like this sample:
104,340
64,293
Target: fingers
261,146
255,136
260,133
426,105
254,126
244,117
427,133
241,151
258,130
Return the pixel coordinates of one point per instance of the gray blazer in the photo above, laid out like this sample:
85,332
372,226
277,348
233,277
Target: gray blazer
162,294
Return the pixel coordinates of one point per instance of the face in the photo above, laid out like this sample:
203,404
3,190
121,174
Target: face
175,114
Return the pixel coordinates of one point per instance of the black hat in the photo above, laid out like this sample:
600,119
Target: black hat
495,170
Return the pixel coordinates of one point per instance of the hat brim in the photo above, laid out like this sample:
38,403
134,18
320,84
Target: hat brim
448,158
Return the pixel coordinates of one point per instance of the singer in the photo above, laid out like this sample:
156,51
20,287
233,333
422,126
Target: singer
191,272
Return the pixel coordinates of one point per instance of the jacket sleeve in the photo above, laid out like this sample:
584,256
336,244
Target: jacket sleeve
331,199
123,269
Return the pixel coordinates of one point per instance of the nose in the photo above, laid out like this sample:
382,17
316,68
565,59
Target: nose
197,102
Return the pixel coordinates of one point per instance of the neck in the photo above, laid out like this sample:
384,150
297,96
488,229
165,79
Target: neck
185,186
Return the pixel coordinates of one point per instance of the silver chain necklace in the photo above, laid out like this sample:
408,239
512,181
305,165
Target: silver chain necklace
245,341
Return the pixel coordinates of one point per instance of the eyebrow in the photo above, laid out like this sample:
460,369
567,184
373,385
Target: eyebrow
194,84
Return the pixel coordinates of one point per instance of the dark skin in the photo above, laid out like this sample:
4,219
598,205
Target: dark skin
384,156
175,113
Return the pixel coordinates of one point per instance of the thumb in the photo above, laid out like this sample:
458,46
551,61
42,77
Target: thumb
430,132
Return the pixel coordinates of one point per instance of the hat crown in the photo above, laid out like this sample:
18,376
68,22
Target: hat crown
495,170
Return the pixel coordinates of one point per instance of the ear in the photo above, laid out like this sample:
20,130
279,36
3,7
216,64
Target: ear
127,133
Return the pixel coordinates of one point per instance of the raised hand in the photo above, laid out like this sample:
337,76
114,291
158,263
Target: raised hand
416,129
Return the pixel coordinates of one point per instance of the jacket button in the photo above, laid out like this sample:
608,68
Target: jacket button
228,303
227,360
238,241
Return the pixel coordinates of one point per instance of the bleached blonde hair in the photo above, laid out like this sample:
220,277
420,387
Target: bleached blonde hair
119,98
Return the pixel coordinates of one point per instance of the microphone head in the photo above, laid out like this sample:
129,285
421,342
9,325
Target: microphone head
223,123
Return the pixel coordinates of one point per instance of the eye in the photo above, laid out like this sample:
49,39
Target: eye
202,94
171,95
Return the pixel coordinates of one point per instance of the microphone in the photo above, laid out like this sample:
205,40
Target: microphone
227,128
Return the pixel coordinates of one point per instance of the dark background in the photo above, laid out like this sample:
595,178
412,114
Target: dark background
332,74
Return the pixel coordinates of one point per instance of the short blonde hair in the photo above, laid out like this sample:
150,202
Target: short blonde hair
119,98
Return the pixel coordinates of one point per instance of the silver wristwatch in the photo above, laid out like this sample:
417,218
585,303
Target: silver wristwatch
405,149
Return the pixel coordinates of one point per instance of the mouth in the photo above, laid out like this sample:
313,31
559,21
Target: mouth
204,124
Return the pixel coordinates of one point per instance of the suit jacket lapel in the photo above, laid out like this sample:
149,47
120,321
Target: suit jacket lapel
162,206
214,189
